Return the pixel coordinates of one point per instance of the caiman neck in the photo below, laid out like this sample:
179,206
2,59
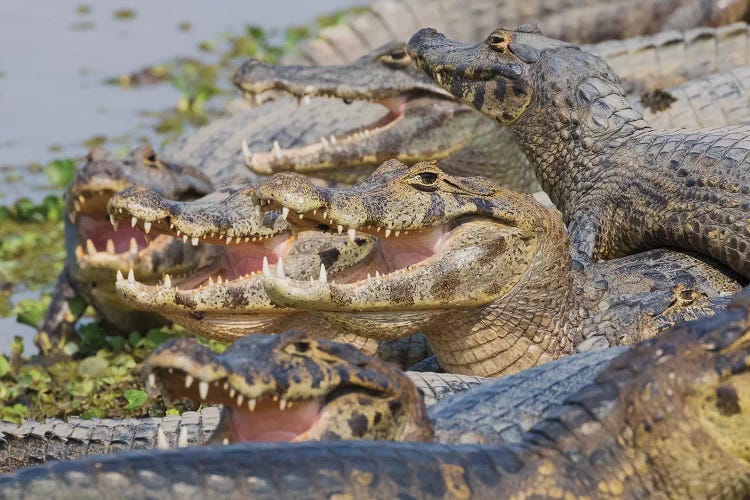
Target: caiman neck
574,133
533,323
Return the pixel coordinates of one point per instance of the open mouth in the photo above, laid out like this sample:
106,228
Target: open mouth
249,414
98,238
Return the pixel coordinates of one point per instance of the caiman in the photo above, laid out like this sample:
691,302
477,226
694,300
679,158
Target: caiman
664,419
497,412
621,185
422,124
95,252
580,21
470,244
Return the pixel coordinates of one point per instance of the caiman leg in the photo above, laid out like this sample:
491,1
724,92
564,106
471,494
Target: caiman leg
59,322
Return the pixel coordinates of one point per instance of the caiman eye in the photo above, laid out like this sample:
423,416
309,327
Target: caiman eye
151,160
497,42
425,181
397,57
299,347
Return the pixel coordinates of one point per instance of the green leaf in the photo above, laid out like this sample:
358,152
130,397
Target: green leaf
60,172
77,305
135,398
4,366
172,411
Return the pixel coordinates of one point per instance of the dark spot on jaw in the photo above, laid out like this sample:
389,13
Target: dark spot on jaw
727,401
376,419
394,406
329,257
478,97
500,89
507,116
358,424
197,315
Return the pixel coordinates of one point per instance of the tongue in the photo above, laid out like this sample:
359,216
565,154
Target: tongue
99,232
268,423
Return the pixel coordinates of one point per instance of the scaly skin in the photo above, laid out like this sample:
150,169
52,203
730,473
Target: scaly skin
95,254
581,21
422,124
498,411
622,186
664,420
483,272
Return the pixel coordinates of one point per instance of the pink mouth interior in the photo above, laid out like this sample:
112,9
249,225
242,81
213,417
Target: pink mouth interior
268,423
396,108
240,260
99,232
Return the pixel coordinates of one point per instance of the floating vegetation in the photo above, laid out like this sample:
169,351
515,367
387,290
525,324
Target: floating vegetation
124,14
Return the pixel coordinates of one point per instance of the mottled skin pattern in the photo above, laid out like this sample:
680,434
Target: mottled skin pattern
38,442
353,396
580,21
499,293
666,419
621,185
92,261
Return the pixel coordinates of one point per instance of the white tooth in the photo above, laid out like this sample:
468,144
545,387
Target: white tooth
133,248
282,404
151,381
161,439
301,216
246,150
110,247
194,241
182,439
115,222
167,281
146,227
324,142
438,78
339,228
178,233
397,233
72,218
387,233
333,139
266,270
257,99
90,248
229,240
276,148
351,232
133,221
188,381
210,280
185,238
226,385
306,99
232,392
119,275
325,215
225,441
240,399
131,276
280,268
377,274
323,278
315,211
368,276
218,280
251,404
284,213
203,389
79,251
170,370
257,210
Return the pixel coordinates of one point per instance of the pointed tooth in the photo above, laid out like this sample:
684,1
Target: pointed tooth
266,270
301,216
306,99
232,392
324,142
182,439
167,281
133,221
284,213
352,233
251,404
90,248
188,381
323,278
79,251
257,210
119,276
210,280
146,227
396,233
185,238
377,274
131,276
225,441
340,228
332,139
72,218
203,389
218,280
246,150
226,386
170,370
387,233
110,247
279,268
115,223
282,404
240,399
257,99
194,241
276,148
229,240
161,439
133,248
151,382
325,215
